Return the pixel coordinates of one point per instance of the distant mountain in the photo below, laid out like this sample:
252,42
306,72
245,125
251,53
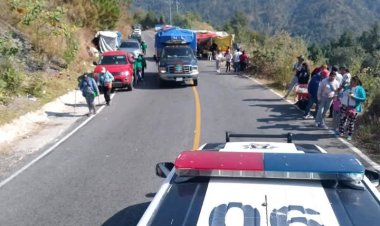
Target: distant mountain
320,20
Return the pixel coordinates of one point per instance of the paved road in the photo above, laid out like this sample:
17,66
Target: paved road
104,174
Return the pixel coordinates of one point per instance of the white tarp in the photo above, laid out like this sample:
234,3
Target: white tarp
107,40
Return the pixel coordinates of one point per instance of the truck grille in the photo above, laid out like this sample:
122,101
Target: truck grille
186,69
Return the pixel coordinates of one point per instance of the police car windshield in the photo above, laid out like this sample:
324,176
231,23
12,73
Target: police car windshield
107,60
177,52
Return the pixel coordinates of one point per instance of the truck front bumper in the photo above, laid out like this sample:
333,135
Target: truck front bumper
178,77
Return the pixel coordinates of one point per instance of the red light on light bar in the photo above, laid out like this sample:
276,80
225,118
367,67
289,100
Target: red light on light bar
205,162
269,165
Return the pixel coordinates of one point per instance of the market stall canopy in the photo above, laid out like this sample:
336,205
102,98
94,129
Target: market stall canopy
175,35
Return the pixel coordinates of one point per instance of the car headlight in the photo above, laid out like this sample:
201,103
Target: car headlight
195,68
125,73
162,69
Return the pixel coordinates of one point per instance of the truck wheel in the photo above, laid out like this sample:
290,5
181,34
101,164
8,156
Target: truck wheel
195,82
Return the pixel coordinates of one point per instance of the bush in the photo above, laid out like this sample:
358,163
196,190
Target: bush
274,59
35,85
10,80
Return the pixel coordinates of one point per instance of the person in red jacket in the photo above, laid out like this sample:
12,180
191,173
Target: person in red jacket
243,61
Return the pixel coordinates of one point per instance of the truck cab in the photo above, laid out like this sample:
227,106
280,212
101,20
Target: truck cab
176,55
178,64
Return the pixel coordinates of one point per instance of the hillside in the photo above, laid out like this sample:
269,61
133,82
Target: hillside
319,21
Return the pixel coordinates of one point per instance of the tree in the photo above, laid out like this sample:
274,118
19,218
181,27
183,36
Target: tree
108,13
315,52
346,40
370,40
150,20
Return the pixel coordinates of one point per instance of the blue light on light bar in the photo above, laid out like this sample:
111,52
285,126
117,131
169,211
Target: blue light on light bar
313,166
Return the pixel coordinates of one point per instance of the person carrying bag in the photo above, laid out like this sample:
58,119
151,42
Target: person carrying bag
351,106
89,90
105,79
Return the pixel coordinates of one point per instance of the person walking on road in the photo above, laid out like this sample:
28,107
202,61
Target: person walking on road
138,68
312,89
236,59
351,101
105,81
296,67
228,57
218,60
89,90
143,62
326,91
144,46
214,49
244,58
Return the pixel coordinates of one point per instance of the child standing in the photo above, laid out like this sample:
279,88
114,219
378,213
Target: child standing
336,104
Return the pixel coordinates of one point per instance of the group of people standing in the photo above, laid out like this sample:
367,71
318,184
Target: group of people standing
335,90
238,59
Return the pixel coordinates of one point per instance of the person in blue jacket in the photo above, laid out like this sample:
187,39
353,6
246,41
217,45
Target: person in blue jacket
312,89
351,104
89,90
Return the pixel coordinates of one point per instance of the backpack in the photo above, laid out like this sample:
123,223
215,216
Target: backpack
87,89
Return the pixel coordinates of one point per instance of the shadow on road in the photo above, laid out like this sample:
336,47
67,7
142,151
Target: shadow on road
61,114
128,216
151,81
284,117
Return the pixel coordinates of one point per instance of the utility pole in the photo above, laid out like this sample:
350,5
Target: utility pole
177,4
170,11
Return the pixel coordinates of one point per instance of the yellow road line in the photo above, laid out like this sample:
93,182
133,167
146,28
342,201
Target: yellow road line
197,130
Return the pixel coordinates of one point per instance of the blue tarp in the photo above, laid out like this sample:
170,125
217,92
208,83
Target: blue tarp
176,35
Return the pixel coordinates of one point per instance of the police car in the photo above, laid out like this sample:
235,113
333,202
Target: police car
264,183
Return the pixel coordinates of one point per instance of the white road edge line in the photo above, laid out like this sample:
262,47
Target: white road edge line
349,145
18,172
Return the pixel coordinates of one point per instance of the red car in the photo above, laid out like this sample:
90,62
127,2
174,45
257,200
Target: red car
120,64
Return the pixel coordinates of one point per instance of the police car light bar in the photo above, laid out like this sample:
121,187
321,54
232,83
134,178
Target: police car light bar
342,167
288,136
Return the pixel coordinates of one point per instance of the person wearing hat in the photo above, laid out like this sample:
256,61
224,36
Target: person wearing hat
105,80
296,68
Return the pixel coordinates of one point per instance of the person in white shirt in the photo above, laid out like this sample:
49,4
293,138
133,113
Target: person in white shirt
228,57
326,91
236,59
339,76
218,59
346,79
336,116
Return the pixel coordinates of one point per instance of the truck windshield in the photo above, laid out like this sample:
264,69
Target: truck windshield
177,52
119,59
